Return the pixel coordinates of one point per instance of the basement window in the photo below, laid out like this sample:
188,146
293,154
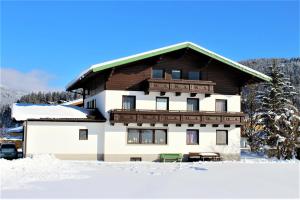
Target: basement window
83,134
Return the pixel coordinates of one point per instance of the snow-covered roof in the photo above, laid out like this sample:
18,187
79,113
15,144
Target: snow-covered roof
15,130
25,111
155,52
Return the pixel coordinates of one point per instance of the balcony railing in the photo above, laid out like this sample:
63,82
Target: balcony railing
175,117
189,86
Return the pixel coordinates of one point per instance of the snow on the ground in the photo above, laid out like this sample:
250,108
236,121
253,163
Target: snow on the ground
46,177
18,173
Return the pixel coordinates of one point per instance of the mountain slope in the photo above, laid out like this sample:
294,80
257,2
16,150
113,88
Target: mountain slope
9,96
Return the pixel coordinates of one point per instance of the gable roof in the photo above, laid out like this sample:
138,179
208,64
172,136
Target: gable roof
140,56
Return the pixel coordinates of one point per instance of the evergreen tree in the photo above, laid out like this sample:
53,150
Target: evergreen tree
277,116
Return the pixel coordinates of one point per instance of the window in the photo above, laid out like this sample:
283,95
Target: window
160,137
176,74
128,102
192,104
192,137
221,105
222,137
147,136
158,73
83,134
162,103
194,76
94,103
133,136
91,104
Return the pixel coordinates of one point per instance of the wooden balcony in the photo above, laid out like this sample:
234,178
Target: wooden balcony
188,86
175,117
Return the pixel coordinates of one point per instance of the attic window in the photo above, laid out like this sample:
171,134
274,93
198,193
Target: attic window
158,73
176,74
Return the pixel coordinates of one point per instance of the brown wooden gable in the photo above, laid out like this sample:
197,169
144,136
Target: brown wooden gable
133,76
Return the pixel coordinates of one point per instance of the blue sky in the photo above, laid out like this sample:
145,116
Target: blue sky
55,41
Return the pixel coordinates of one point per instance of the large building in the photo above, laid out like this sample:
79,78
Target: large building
176,99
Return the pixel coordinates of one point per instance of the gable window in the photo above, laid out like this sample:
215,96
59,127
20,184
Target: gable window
194,76
147,136
158,73
192,137
128,102
221,105
162,103
83,134
222,137
176,74
192,104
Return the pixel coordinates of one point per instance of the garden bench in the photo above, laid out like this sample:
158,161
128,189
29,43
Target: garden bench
171,157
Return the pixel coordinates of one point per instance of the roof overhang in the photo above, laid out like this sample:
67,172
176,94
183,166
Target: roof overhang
129,59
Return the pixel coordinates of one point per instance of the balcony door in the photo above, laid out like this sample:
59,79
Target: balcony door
128,102
162,103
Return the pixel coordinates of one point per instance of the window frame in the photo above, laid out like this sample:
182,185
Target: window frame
163,74
198,104
180,74
162,98
132,96
87,134
198,135
226,138
226,105
153,136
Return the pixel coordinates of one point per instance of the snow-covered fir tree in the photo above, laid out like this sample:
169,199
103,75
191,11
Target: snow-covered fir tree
277,116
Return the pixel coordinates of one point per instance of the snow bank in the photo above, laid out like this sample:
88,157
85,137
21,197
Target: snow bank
19,173
52,178
24,111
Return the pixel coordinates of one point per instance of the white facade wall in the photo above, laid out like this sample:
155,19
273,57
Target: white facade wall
62,139
112,99
117,149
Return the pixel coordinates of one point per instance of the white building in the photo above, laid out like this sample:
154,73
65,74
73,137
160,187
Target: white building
177,99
